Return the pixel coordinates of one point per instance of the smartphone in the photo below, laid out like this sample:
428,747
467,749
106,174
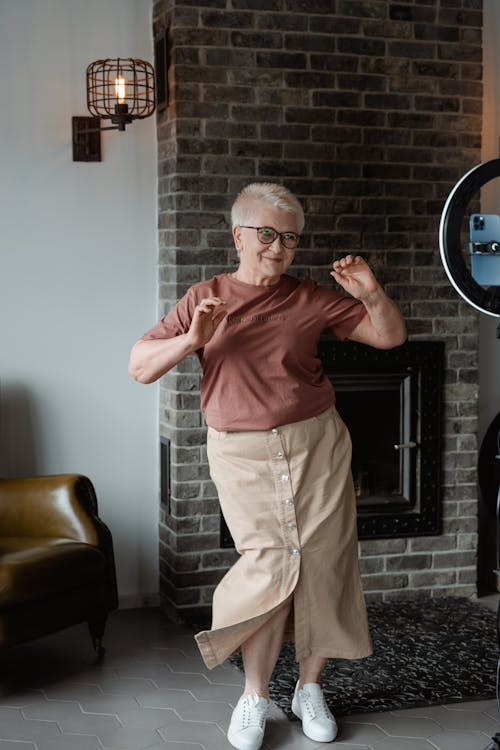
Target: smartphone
484,247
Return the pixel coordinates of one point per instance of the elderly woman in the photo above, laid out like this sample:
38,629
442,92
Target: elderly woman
279,454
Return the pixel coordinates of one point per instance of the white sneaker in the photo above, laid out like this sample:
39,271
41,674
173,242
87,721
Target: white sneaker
246,729
309,705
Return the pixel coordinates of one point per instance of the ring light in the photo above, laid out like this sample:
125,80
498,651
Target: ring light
487,299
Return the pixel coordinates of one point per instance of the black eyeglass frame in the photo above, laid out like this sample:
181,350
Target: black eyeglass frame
276,234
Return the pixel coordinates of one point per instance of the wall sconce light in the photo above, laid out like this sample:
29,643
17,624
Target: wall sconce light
121,90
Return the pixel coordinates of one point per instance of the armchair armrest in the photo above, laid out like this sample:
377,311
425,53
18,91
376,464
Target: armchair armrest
63,505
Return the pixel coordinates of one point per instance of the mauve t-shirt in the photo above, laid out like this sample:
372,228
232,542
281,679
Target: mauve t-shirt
261,369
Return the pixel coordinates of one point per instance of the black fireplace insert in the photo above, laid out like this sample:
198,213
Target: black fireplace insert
391,402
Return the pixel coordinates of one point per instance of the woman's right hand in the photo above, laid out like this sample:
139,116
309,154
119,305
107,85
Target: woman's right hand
208,315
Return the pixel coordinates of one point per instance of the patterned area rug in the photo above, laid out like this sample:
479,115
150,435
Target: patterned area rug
426,651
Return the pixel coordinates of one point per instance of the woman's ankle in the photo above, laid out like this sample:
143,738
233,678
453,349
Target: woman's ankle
308,681
261,692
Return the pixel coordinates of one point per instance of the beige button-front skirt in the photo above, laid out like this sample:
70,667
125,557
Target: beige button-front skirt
287,497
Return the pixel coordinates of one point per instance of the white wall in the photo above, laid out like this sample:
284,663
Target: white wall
77,275
489,359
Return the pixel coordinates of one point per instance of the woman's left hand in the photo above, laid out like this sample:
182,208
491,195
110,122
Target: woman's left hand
355,276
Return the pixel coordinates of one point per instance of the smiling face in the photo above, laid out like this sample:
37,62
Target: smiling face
261,264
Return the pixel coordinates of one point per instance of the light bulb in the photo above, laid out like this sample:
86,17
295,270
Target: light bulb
121,89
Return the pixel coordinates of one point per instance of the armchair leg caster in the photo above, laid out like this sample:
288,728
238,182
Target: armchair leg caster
96,633
99,648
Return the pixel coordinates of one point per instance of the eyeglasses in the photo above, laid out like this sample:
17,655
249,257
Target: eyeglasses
267,235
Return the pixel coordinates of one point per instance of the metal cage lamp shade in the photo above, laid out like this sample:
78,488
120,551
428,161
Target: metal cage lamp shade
121,90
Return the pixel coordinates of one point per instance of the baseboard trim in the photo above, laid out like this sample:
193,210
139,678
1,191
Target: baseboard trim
139,601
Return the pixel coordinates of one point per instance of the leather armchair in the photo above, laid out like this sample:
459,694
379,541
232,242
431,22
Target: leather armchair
56,559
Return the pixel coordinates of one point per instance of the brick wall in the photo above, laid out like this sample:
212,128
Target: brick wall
369,110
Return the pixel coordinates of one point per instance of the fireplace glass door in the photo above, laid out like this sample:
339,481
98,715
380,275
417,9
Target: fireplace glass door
391,402
380,411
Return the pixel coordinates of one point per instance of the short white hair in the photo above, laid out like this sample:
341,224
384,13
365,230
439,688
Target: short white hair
274,195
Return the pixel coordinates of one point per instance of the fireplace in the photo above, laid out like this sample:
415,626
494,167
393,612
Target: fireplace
379,410
391,402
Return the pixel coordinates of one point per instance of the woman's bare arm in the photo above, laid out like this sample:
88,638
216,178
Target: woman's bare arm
152,358
383,327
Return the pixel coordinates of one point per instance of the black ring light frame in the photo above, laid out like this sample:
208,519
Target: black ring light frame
486,300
